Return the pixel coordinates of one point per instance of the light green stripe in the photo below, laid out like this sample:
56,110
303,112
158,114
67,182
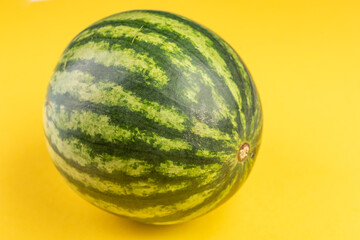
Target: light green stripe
149,212
140,188
200,41
243,123
204,130
81,86
170,169
229,162
207,174
81,154
98,125
241,68
110,31
254,121
206,153
205,208
115,55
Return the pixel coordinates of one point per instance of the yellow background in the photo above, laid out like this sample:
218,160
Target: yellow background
305,59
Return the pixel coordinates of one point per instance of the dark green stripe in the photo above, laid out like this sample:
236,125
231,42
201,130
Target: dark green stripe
132,82
138,150
240,179
258,126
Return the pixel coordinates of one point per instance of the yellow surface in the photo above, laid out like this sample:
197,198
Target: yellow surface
305,59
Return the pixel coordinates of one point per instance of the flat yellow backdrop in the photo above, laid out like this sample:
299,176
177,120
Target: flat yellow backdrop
305,59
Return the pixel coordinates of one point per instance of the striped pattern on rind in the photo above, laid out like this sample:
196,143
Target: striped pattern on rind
145,114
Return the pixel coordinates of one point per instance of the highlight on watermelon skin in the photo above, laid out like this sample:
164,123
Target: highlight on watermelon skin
153,117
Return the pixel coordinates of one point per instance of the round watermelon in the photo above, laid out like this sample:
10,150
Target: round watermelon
152,116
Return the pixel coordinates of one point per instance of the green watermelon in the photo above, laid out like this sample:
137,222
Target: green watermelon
152,116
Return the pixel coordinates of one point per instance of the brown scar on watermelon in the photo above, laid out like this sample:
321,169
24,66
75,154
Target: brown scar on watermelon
48,104
243,152
136,34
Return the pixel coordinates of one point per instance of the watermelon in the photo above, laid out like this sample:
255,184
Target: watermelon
151,116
